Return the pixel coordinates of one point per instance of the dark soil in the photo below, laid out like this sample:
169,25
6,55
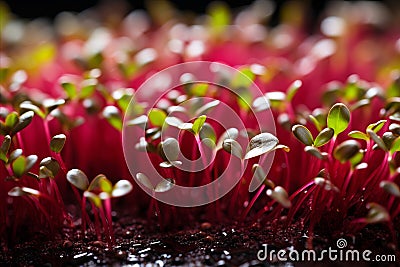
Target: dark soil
203,244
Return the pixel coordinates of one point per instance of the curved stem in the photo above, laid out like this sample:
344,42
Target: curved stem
263,210
61,162
253,200
41,209
295,208
57,193
347,181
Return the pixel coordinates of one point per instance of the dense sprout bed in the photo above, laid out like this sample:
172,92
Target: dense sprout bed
67,196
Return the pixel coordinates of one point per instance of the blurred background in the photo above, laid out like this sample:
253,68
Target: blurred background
47,8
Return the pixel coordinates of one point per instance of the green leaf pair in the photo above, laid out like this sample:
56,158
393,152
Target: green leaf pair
337,121
304,135
86,87
163,186
15,123
100,187
21,165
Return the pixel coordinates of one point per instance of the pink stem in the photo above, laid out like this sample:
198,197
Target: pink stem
84,215
293,210
56,192
61,162
216,202
47,132
397,212
263,210
233,205
287,170
347,181
20,141
332,145
253,200
105,225
107,204
312,216
96,220
41,209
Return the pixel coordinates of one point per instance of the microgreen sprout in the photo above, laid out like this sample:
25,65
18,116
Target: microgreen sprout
99,191
342,172
161,187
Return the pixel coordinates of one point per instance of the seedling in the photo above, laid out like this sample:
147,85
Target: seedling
342,172
99,192
163,186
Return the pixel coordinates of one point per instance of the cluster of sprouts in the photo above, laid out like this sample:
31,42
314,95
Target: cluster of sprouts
65,93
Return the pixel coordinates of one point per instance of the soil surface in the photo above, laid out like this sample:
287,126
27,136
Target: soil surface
203,244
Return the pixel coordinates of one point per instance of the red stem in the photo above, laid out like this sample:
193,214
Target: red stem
263,210
287,170
253,200
107,204
235,196
84,215
96,220
105,225
38,205
20,141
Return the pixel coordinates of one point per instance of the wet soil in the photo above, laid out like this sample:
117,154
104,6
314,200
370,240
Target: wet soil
203,244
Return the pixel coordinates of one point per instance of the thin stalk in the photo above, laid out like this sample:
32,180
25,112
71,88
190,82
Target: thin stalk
20,141
57,193
47,132
332,145
85,216
158,213
16,218
235,195
203,159
295,208
392,232
107,205
58,157
369,150
287,170
253,200
40,207
192,173
215,191
312,217
154,207
96,220
347,181
370,181
391,202
105,226
263,210
397,212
